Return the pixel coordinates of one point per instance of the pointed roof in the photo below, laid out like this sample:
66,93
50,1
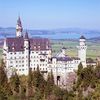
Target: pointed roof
26,35
63,48
82,37
19,22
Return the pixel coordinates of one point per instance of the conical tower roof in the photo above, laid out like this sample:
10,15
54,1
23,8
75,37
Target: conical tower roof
19,22
26,35
82,37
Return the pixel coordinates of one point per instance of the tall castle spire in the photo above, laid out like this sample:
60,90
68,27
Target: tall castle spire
19,28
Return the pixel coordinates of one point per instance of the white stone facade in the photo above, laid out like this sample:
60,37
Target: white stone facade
30,55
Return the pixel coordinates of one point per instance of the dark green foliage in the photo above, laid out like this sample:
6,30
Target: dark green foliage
30,77
5,89
3,76
41,89
49,85
58,92
38,80
37,95
97,71
15,82
3,95
80,67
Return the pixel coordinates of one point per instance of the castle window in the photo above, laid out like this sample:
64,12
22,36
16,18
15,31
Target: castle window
11,62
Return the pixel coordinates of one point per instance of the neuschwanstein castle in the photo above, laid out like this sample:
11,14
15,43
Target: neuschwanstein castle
21,53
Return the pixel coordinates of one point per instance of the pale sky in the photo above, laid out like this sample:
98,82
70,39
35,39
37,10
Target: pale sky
51,14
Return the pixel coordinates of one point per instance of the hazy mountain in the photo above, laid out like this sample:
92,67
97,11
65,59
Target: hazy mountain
56,33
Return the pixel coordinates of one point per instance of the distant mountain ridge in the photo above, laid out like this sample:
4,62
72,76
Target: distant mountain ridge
10,32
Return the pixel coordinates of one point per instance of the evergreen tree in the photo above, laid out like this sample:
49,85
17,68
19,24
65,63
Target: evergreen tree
3,77
30,78
3,84
15,83
37,78
80,67
50,84
30,83
5,89
38,81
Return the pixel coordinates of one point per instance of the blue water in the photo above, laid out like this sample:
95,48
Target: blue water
60,35
67,35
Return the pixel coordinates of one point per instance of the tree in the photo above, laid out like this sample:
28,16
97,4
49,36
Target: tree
5,89
50,84
15,83
30,78
80,67
30,83
38,78
38,81
3,77
97,71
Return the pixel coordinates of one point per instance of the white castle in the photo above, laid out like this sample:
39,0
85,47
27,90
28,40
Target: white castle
21,53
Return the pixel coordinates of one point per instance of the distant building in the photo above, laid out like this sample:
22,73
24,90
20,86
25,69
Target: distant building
21,53
98,60
91,62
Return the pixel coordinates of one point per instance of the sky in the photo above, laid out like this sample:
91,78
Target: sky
51,14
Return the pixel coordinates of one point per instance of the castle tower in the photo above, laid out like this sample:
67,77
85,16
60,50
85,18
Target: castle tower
82,50
63,50
26,54
19,28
